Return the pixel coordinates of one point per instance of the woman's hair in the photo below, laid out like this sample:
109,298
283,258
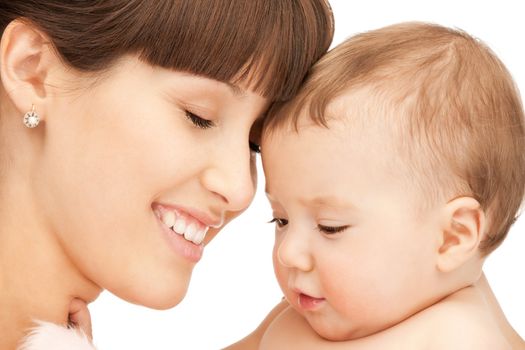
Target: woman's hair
270,44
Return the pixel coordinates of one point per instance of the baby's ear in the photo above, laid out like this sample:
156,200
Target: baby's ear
463,229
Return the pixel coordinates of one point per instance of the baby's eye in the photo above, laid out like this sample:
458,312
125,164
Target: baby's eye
199,122
330,230
255,147
279,222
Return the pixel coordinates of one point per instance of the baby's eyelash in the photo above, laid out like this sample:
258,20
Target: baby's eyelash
255,147
332,229
199,122
279,222
329,230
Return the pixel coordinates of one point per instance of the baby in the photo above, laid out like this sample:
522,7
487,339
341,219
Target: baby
394,173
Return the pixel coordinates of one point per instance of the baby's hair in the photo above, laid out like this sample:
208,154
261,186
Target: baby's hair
270,44
452,106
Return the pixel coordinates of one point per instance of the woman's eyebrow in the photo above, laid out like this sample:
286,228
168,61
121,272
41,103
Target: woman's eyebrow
235,89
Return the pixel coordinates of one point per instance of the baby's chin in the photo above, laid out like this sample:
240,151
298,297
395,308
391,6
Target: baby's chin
335,334
335,330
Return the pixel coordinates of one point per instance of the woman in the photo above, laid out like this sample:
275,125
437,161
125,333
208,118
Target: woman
125,146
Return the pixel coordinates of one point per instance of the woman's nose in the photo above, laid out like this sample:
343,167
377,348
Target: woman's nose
293,251
231,178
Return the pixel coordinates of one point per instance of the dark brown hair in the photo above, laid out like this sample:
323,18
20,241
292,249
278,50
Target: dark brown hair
450,104
269,43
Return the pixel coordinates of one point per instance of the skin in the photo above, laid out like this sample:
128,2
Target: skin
77,193
433,328
284,326
359,260
253,340
79,317
378,247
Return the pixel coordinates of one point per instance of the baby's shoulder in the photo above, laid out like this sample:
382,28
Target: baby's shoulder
460,321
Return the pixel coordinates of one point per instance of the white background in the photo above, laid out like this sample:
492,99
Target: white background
233,287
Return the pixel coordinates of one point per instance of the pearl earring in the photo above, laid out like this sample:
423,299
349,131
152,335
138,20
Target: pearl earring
31,118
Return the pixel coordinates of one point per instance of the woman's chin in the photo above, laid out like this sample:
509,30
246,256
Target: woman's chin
160,296
163,304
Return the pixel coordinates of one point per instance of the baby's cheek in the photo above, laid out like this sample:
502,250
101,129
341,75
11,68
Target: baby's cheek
281,272
359,302
348,293
277,267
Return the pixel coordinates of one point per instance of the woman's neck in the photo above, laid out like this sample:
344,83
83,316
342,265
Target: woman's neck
37,279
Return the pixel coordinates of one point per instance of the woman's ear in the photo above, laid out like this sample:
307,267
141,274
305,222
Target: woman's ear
26,56
462,231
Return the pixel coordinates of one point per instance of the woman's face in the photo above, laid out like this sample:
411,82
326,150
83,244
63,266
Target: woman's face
142,150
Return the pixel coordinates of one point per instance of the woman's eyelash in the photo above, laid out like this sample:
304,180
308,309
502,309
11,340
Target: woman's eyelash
255,147
198,121
332,229
279,222
206,124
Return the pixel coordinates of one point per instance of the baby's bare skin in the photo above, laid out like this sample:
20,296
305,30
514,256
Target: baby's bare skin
468,319
506,329
284,326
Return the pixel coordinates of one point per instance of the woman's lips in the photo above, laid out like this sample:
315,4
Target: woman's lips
182,247
185,228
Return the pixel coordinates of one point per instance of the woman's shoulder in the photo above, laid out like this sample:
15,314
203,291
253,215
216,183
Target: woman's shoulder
47,336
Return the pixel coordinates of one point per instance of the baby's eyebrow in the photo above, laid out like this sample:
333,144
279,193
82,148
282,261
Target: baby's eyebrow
321,201
328,200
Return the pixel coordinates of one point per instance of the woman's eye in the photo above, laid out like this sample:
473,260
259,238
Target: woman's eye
279,222
199,122
330,230
255,147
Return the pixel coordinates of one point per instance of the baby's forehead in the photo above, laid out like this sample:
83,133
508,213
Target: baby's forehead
360,127
353,112
345,138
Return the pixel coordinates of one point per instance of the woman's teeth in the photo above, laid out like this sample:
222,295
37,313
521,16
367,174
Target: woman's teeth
188,228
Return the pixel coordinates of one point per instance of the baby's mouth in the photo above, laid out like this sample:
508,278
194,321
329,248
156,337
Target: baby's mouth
308,302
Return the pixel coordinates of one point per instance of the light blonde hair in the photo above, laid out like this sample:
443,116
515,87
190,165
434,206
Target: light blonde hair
459,118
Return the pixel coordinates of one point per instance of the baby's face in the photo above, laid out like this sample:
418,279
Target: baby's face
353,251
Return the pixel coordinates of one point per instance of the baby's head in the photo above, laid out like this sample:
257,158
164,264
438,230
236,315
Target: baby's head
395,171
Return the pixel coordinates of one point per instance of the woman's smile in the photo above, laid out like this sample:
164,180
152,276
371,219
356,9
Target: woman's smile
186,228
